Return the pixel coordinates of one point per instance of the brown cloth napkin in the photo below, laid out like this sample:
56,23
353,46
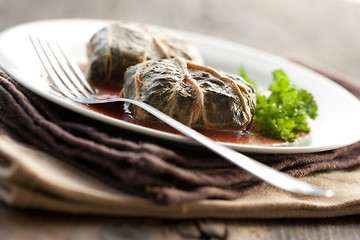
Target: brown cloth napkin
126,163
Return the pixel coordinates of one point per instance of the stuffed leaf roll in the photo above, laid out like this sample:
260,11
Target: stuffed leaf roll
195,95
116,47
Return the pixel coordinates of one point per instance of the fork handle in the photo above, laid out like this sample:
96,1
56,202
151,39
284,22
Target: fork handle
262,171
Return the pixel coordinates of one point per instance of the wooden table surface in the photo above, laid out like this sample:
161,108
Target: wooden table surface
326,31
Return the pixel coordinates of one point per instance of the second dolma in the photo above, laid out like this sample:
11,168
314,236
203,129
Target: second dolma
116,47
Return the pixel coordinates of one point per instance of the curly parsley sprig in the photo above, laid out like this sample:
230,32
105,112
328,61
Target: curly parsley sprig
284,114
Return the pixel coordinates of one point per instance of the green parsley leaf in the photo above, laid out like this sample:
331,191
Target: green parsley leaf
284,114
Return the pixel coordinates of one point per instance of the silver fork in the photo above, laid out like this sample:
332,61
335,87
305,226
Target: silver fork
69,80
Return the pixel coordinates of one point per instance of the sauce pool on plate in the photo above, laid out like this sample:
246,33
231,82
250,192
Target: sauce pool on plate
116,110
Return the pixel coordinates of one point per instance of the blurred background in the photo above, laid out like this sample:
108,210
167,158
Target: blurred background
325,31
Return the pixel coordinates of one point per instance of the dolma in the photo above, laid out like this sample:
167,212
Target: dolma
116,47
196,95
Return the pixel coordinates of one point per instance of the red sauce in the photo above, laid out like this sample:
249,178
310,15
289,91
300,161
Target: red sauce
116,110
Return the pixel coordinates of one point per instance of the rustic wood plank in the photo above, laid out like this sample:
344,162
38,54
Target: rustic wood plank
25,224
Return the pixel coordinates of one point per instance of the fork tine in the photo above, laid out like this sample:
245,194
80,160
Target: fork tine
54,77
56,63
75,67
72,80
60,67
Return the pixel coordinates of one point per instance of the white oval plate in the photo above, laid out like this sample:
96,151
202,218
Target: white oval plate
339,111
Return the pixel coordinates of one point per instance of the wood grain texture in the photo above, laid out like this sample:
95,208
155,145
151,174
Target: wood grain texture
325,31
25,224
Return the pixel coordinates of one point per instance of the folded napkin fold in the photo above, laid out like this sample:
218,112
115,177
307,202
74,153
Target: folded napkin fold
55,159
